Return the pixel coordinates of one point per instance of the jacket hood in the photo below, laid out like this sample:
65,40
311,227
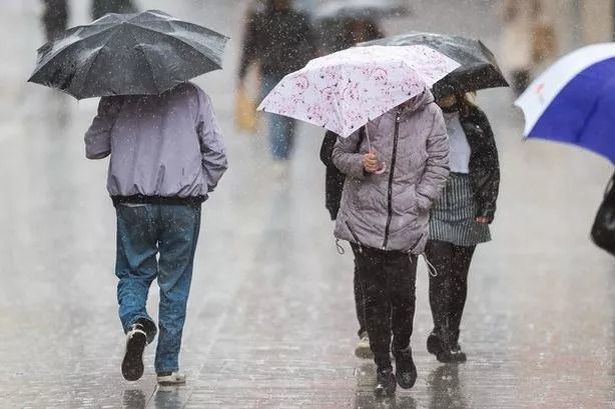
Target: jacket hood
419,101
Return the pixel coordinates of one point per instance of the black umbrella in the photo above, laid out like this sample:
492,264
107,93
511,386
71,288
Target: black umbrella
478,70
128,54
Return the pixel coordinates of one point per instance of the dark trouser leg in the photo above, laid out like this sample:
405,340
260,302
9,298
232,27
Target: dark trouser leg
440,254
401,277
281,128
55,17
284,148
462,258
372,273
359,298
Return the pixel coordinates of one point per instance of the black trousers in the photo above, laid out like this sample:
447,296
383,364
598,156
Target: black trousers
449,289
55,17
388,279
359,297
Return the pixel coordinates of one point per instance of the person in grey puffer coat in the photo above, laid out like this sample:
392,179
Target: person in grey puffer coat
394,175
167,156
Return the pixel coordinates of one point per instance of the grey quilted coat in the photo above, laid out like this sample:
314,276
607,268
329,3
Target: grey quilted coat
390,211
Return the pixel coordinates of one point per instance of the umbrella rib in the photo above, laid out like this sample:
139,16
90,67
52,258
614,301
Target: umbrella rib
219,64
105,31
147,61
98,54
196,26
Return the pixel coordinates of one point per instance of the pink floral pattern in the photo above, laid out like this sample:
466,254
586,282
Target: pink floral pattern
344,90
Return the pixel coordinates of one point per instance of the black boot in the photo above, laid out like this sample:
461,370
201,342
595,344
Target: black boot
385,382
405,369
434,343
451,351
457,355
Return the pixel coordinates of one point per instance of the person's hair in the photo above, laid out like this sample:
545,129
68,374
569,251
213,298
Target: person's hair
464,102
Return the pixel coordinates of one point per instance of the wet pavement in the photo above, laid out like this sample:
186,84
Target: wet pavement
271,318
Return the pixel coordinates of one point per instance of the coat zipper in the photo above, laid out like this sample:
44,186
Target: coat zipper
391,177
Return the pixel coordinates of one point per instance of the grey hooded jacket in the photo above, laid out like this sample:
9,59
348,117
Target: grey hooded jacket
163,148
390,211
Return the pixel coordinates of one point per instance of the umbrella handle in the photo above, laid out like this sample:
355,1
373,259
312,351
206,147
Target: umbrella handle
369,142
369,149
382,169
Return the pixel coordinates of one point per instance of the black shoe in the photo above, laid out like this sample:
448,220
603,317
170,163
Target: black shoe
132,365
405,370
434,344
385,382
452,355
457,355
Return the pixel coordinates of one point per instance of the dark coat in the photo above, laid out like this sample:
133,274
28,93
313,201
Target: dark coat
603,230
279,41
484,162
334,181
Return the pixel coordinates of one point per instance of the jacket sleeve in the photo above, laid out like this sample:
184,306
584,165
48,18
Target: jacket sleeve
326,149
437,166
346,156
489,185
212,144
98,135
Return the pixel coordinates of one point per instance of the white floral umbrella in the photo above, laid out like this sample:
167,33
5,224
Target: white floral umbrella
345,90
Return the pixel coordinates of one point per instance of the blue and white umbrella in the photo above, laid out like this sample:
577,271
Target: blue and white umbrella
573,101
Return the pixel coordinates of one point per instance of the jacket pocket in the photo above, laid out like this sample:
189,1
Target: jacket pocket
365,196
406,201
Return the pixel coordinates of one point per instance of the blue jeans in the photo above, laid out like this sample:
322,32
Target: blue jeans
143,233
281,128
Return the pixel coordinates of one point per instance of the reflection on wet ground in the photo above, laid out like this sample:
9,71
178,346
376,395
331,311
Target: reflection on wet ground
271,317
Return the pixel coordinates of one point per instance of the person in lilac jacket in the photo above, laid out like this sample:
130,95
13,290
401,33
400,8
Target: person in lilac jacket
167,156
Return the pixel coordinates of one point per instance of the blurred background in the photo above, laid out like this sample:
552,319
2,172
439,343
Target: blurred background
271,318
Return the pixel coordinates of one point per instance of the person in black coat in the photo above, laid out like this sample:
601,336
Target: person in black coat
460,219
280,40
354,31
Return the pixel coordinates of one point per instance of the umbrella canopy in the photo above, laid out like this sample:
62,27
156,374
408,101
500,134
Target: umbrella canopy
344,90
128,54
370,9
573,101
478,70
